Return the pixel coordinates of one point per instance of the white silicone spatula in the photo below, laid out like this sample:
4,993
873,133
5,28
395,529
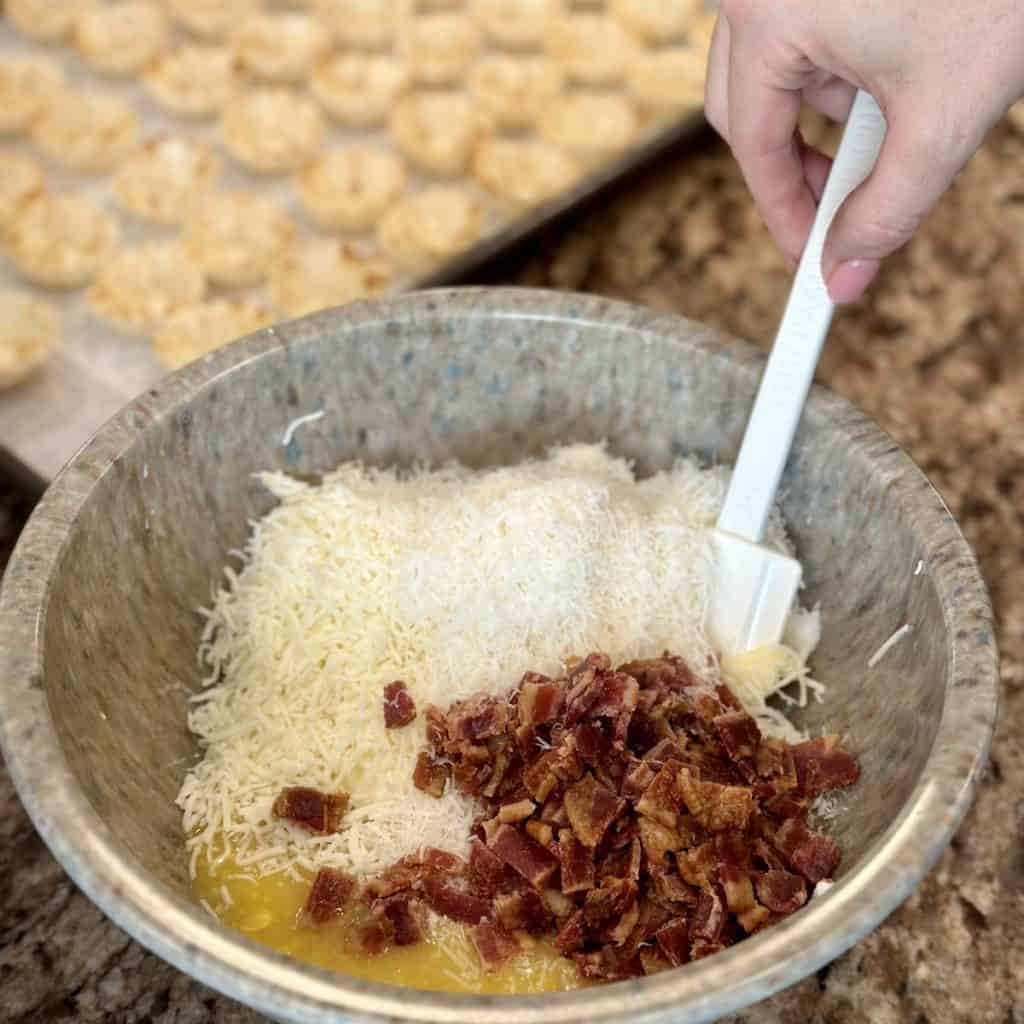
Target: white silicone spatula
754,587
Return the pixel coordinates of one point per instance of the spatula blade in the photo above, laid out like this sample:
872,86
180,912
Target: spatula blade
754,590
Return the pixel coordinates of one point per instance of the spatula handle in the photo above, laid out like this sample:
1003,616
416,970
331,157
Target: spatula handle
794,356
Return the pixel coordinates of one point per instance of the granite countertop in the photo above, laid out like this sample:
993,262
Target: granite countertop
936,355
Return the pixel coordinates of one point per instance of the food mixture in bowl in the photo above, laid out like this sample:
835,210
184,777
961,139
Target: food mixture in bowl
465,731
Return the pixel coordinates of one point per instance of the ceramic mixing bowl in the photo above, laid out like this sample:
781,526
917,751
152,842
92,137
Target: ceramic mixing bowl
99,624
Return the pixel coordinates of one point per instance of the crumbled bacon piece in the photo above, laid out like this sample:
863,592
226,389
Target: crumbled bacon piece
553,812
493,944
668,887
430,775
709,918
674,941
328,896
698,866
822,765
653,960
661,798
781,891
577,861
488,874
522,910
399,707
738,733
658,840
608,964
518,811
540,701
402,915
539,777
590,742
314,811
738,888
716,807
524,854
571,935
591,809
477,719
814,854
450,897
375,937
607,903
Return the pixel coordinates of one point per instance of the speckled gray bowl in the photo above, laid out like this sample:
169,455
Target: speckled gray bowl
98,625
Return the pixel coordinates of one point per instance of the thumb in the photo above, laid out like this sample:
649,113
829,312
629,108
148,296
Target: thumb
918,162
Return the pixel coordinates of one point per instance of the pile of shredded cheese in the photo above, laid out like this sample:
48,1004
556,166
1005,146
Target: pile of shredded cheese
455,582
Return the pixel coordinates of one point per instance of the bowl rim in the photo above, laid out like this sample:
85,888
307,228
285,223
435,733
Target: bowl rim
184,935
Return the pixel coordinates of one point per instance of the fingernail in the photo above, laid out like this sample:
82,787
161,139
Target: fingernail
849,280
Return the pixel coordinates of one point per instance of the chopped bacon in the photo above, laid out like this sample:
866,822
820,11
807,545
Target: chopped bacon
477,718
557,902
437,727
666,673
698,866
400,876
591,809
539,777
738,888
403,917
488,874
664,750
787,805
674,941
493,944
585,685
620,932
542,832
617,701
658,840
441,861
669,888
571,935
430,775
638,777
518,811
637,814
577,861
522,910
709,917
607,903
814,854
328,896
565,762
757,918
716,807
524,854
314,811
653,960
822,765
399,707
540,701
449,897
738,733
691,832
375,937
607,964
661,798
590,741
553,812
781,891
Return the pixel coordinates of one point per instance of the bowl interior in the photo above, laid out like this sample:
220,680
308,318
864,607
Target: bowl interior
149,544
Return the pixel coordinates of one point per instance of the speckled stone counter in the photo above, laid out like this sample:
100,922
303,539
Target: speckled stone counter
936,355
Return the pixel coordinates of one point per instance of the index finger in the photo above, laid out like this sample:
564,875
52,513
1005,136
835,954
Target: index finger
763,116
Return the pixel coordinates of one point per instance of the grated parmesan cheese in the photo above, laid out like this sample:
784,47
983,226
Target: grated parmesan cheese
455,582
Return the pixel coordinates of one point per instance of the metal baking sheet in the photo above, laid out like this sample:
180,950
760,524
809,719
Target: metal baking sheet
97,369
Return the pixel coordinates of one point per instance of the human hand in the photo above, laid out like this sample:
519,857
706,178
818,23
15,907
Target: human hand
943,75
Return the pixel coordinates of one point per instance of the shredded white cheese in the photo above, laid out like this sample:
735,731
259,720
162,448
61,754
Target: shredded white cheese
455,582
300,422
889,644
